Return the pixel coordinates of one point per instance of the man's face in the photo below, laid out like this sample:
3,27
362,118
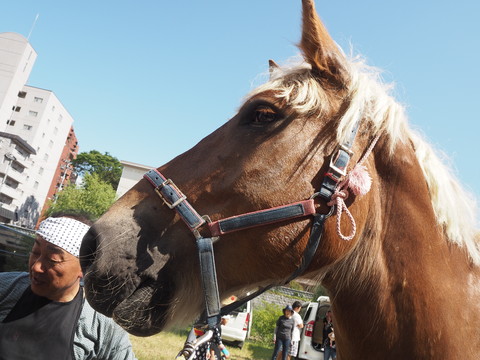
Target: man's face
54,273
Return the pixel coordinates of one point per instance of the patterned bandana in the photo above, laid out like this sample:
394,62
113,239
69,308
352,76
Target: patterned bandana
63,232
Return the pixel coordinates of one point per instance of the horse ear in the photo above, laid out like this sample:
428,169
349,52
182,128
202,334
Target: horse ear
318,48
272,65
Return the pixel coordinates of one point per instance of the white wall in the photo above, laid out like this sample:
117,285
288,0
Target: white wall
17,58
131,174
45,124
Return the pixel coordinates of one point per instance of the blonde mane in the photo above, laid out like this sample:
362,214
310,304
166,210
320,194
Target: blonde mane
370,100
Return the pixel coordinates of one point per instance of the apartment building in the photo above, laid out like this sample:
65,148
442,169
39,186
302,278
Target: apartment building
17,58
37,140
45,124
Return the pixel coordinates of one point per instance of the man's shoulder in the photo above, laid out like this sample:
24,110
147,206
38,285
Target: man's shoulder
12,275
94,318
12,286
9,280
296,316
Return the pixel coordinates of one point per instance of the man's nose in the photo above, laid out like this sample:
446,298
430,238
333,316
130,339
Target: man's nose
37,265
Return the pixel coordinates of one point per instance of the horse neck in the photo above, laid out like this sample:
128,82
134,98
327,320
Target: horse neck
402,274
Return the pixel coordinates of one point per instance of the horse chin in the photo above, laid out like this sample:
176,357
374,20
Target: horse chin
142,311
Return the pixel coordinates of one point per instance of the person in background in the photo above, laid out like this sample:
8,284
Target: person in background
329,345
44,314
298,325
283,333
327,321
216,342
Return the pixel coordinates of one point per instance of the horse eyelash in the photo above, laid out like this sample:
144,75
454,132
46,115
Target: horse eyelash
255,107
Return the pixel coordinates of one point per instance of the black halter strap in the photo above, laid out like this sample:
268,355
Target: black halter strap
176,200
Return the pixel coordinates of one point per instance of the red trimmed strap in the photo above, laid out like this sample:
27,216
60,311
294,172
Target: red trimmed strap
262,217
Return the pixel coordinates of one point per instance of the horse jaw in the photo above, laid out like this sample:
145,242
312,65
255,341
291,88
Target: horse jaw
136,283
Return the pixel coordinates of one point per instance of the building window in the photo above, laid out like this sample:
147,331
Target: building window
33,113
50,144
21,151
35,186
53,108
38,99
40,171
60,118
55,131
11,122
17,167
22,94
27,127
45,157
5,199
16,108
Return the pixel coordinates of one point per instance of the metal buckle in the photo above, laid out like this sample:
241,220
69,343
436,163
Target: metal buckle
336,156
177,190
197,234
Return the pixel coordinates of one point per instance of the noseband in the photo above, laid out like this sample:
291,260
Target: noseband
176,200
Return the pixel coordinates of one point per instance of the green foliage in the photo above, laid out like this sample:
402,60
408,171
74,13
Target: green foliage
295,285
107,167
93,197
319,291
264,320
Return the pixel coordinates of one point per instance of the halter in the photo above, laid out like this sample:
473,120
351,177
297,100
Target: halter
176,200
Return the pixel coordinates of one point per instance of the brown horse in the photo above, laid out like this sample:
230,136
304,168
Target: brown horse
407,284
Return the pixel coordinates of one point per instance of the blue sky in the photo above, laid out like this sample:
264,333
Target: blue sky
146,80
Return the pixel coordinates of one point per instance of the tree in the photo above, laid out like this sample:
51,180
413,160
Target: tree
107,167
93,197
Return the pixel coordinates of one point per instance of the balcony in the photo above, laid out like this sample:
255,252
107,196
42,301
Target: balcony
9,191
11,172
7,207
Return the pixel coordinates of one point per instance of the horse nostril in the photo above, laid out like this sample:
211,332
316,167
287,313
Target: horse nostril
88,249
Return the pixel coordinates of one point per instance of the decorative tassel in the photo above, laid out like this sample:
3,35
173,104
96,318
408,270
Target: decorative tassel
359,180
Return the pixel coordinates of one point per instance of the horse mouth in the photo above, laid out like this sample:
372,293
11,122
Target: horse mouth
141,311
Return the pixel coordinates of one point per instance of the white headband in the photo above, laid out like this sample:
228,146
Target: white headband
63,232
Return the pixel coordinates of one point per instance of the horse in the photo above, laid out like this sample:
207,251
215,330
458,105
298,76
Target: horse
399,252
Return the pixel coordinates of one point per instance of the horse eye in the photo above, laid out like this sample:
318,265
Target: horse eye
264,115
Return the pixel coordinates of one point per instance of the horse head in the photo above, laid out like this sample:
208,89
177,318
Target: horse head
140,259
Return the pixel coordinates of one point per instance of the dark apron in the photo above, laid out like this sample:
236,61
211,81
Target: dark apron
38,328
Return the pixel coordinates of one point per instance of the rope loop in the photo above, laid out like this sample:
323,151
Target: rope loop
338,199
341,194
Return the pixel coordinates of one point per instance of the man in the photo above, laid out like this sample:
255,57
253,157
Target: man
44,314
298,322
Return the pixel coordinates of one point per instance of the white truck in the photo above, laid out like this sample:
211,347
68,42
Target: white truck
238,327
313,313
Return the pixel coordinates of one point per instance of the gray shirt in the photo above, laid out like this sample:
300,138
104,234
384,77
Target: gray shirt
284,328
96,336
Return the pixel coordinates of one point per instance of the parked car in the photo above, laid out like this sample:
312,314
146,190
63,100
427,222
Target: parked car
312,313
15,246
237,330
